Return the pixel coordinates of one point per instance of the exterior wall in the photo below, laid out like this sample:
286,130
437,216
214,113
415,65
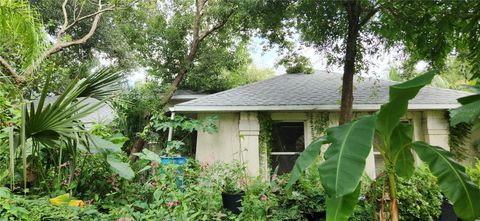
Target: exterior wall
249,130
237,138
435,128
221,146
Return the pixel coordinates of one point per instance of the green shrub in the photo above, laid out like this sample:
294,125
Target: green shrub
17,207
419,197
474,172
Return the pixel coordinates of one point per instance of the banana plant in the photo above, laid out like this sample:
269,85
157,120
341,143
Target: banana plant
351,143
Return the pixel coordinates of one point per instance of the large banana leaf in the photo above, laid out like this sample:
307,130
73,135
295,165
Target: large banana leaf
399,95
400,152
453,181
340,209
345,157
467,113
306,158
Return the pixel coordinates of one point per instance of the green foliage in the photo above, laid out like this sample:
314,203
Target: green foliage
452,179
132,107
468,113
456,140
394,142
232,177
345,158
265,141
474,172
181,143
25,38
419,197
318,123
456,74
161,33
108,40
296,64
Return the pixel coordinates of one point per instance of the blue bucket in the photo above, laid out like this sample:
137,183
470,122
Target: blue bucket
177,161
174,160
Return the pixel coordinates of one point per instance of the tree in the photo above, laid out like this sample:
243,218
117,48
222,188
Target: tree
455,75
186,43
188,38
34,53
108,42
351,143
347,30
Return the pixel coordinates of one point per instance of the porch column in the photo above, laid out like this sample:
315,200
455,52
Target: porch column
249,147
435,128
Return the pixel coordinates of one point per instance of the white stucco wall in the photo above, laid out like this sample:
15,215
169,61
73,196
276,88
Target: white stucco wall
222,146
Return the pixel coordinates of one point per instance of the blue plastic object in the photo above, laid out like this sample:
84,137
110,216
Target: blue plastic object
174,160
177,161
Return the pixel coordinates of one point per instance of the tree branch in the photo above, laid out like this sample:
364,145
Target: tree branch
217,26
65,19
59,44
10,69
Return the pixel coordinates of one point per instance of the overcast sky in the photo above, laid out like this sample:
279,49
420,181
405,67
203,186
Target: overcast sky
378,66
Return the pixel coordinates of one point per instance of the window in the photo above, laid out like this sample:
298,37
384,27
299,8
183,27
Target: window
288,143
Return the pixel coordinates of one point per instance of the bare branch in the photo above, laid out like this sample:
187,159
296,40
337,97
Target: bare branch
87,36
65,19
11,70
217,26
111,8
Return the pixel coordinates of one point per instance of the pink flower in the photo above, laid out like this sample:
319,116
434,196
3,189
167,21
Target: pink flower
172,204
124,219
264,198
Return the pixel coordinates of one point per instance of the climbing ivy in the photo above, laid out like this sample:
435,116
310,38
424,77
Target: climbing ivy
265,139
318,123
456,139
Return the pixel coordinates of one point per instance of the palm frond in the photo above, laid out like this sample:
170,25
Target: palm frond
47,123
102,83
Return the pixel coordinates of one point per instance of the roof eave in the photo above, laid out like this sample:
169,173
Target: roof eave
356,107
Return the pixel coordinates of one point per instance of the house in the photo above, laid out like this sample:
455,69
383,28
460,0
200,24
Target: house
298,108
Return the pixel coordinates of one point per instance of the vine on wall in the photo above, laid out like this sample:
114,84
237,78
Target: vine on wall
318,123
457,138
265,141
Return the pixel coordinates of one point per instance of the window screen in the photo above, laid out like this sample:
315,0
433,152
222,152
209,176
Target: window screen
288,143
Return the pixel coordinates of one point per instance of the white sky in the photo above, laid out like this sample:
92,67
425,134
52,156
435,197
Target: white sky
378,66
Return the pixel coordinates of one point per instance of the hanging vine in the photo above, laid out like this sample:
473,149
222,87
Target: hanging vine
265,140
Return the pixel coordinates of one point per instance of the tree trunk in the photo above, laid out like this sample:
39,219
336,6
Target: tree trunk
137,147
353,12
173,86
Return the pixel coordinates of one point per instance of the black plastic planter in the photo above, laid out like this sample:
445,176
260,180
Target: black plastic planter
316,216
233,201
448,214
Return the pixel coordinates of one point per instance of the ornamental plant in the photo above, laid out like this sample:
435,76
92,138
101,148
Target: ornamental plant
351,143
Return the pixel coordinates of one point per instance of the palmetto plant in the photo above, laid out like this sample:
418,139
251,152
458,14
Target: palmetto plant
351,143
58,124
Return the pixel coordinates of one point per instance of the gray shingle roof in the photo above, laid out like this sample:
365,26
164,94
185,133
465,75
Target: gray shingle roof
321,90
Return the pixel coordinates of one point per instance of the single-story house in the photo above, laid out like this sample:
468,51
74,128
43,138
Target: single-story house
296,108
